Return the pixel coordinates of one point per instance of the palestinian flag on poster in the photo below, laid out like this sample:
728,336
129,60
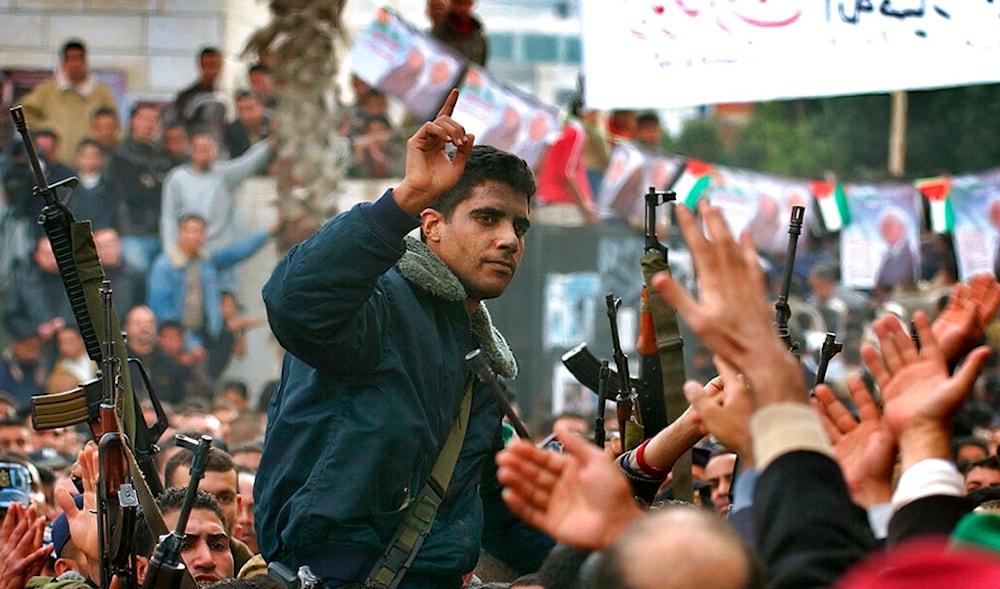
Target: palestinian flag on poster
937,190
832,205
693,182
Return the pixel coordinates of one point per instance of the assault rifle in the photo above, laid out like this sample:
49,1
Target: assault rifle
625,399
106,403
166,568
782,312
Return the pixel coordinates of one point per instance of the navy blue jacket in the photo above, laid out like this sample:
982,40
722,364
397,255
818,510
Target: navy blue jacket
371,383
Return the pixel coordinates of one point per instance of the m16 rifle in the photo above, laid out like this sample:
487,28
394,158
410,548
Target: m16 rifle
106,403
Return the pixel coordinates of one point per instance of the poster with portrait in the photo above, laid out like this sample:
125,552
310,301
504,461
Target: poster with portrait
631,172
975,204
760,204
404,63
879,248
504,117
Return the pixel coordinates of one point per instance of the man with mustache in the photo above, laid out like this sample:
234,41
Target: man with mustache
376,327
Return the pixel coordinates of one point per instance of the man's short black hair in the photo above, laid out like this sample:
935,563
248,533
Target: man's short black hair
104,111
172,499
209,52
990,462
647,118
217,461
87,141
259,67
237,385
142,106
169,324
73,44
487,163
247,93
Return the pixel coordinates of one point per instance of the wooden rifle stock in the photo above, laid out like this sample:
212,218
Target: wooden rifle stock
117,502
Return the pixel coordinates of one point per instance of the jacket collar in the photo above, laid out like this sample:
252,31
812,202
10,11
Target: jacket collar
425,270
179,259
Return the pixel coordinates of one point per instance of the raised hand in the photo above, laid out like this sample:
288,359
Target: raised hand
919,394
83,522
578,497
961,324
724,408
731,314
865,449
429,170
22,554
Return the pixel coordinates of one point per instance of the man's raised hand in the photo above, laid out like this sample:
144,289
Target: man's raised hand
430,171
579,497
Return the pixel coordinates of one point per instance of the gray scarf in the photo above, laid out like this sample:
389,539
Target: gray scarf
425,270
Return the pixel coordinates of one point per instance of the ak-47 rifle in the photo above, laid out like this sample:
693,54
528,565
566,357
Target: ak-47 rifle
602,400
166,568
782,312
651,399
117,502
625,399
107,403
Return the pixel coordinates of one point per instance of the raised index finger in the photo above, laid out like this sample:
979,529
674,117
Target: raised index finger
449,104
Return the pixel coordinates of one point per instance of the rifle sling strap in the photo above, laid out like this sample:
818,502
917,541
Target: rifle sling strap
671,349
416,525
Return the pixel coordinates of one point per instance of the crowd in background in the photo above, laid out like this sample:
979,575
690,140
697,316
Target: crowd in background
159,195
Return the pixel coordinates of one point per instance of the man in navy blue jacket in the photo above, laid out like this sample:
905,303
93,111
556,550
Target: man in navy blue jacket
376,327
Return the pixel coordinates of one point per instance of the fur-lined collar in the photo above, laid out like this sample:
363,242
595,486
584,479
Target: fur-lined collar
425,270
179,259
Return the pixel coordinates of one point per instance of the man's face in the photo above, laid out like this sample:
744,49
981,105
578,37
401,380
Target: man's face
262,83
980,477
462,8
170,341
483,241
206,546
89,159
221,485
244,519
437,10
140,324
69,342
191,236
211,67
175,141
104,129
74,65
719,472
47,145
109,247
249,111
145,124
27,350
892,229
15,438
203,151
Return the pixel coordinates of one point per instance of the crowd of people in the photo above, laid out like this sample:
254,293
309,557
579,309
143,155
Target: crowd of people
386,460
